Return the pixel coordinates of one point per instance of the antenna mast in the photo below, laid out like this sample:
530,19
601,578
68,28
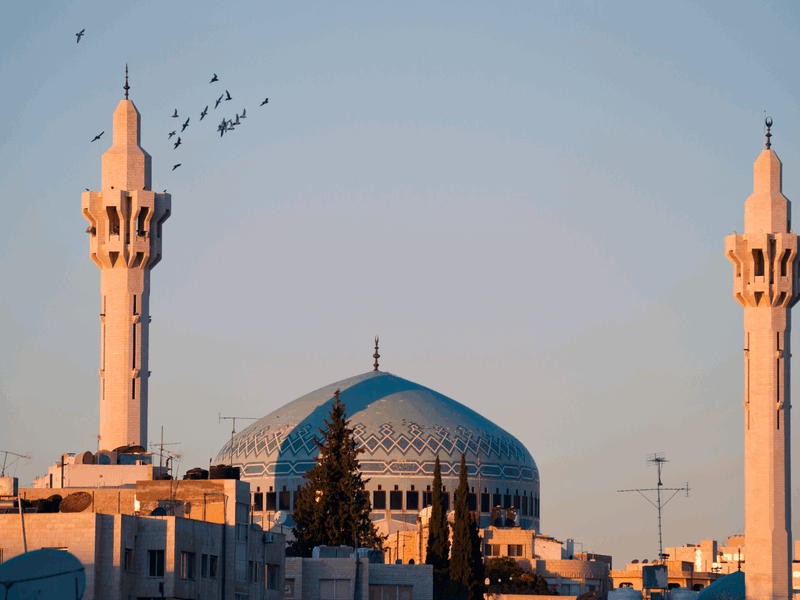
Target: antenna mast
161,451
658,459
233,429
8,464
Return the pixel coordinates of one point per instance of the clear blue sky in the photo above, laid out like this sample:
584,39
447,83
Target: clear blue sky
527,201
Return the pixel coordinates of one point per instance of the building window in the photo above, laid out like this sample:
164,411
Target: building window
379,500
127,560
187,565
412,500
258,501
272,580
212,566
156,560
271,502
334,589
486,503
284,498
288,584
390,592
240,568
396,500
204,566
491,550
515,550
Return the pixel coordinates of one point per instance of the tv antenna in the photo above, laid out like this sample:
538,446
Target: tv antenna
8,464
161,451
233,429
658,459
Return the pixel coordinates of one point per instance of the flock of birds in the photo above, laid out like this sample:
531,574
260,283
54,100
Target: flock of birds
225,126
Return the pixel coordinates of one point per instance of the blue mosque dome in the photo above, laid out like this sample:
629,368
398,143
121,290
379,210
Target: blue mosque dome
402,427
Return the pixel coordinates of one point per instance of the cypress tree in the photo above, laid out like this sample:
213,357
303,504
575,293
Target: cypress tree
460,563
477,588
438,535
332,508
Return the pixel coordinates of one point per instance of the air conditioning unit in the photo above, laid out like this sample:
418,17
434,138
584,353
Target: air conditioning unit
269,538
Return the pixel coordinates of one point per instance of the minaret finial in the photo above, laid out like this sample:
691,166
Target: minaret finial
768,123
126,87
376,356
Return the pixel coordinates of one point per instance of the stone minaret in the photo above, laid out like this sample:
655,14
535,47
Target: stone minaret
765,276
125,222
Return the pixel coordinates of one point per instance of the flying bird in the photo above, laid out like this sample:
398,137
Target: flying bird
165,191
185,125
218,101
97,137
229,95
171,133
214,78
237,120
175,167
264,102
178,143
244,113
80,34
204,113
175,116
87,189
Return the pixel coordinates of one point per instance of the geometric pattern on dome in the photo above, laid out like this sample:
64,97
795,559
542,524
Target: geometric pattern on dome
390,447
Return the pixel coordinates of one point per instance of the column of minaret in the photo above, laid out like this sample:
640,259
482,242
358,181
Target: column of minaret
125,224
765,275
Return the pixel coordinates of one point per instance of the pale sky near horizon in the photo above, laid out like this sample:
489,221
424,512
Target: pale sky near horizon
526,201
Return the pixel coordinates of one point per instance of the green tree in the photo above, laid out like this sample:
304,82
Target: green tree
512,578
438,547
332,508
460,564
476,560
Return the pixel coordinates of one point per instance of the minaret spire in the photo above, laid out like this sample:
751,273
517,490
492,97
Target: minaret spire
126,231
765,283
126,87
376,356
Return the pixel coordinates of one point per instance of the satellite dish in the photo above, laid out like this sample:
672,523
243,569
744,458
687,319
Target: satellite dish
279,517
45,573
75,503
159,512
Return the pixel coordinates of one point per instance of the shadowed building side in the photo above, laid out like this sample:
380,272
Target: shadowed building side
125,227
765,278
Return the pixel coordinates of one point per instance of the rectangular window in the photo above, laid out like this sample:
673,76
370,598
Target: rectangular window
426,499
258,501
412,500
486,503
334,589
128,560
187,565
506,500
272,580
212,566
491,550
251,576
396,500
446,501
472,502
390,592
497,500
295,496
204,566
379,500
517,503
156,560
515,550
525,505
284,498
271,502
288,586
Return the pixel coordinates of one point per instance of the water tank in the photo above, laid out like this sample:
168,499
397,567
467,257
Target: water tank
625,593
682,594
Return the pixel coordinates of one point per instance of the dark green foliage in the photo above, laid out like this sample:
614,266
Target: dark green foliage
506,573
333,506
476,560
460,567
438,535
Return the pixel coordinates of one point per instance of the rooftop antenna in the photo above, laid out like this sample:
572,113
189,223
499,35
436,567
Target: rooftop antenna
376,356
161,450
8,464
126,87
233,429
658,459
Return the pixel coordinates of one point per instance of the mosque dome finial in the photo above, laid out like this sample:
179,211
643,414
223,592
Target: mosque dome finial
126,87
376,356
